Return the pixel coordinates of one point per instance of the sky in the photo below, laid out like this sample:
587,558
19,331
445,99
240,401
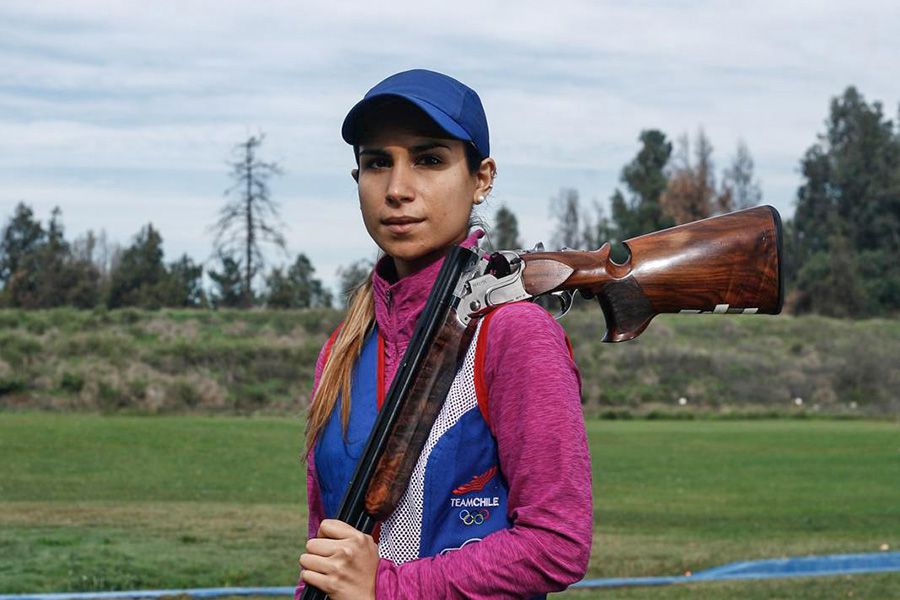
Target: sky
127,113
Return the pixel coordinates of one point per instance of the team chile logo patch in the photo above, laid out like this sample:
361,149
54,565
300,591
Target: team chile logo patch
475,510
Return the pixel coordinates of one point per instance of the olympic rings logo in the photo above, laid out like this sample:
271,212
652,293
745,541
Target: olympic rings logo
475,517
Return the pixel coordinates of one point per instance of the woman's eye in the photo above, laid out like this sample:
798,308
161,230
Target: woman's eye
428,160
377,163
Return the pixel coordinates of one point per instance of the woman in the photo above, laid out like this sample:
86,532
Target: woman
500,503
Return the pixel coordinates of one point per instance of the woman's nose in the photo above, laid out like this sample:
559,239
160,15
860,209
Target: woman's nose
400,186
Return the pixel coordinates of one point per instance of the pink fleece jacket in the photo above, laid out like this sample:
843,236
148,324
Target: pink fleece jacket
535,414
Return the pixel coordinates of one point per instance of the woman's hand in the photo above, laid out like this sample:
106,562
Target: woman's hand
341,562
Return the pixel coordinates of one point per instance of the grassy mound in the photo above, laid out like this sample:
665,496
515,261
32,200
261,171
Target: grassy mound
262,362
160,361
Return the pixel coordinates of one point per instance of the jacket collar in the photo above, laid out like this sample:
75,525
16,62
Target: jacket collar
398,303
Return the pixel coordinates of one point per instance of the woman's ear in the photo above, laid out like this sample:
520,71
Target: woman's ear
354,173
484,177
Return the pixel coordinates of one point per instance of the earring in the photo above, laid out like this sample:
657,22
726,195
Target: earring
479,200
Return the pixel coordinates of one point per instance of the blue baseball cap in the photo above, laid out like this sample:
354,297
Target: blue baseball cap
452,105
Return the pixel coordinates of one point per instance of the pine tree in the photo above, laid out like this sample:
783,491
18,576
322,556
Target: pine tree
645,181
505,235
849,204
227,289
140,275
296,288
351,277
42,270
184,284
21,236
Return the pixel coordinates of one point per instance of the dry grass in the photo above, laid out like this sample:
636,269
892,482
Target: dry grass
262,361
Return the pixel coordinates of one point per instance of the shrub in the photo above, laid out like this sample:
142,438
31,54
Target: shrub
71,382
184,394
137,388
11,385
17,349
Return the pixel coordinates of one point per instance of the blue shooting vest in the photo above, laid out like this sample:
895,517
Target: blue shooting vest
336,455
457,494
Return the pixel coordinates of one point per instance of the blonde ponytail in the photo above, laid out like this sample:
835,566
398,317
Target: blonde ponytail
337,376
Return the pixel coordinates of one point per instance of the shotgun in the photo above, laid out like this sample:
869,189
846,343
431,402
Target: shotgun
725,264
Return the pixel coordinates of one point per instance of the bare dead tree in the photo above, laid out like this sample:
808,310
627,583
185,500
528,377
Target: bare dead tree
691,193
251,216
739,181
565,209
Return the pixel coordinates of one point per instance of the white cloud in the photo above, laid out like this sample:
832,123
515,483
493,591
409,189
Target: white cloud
136,106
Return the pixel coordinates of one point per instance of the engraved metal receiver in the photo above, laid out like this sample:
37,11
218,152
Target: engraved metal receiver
499,279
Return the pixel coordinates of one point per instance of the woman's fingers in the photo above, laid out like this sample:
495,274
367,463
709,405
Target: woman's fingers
323,582
341,562
323,546
337,539
336,530
343,570
319,564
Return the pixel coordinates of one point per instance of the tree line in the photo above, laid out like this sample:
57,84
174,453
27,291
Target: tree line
840,248
39,268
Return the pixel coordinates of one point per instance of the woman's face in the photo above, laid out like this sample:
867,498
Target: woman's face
415,189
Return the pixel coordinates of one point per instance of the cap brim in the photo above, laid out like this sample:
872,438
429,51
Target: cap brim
350,128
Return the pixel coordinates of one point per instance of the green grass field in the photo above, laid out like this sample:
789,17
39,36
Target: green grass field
103,503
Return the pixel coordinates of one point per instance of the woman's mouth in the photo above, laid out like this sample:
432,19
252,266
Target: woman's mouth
399,225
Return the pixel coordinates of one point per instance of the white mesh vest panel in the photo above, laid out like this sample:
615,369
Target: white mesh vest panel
402,531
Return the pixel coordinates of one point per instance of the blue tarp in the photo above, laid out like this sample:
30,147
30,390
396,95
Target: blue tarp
773,568
806,566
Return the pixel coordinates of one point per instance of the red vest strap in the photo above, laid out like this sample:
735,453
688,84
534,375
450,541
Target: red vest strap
481,391
331,338
330,343
569,346
380,386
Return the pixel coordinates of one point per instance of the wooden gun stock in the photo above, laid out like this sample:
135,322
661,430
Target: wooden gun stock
725,264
